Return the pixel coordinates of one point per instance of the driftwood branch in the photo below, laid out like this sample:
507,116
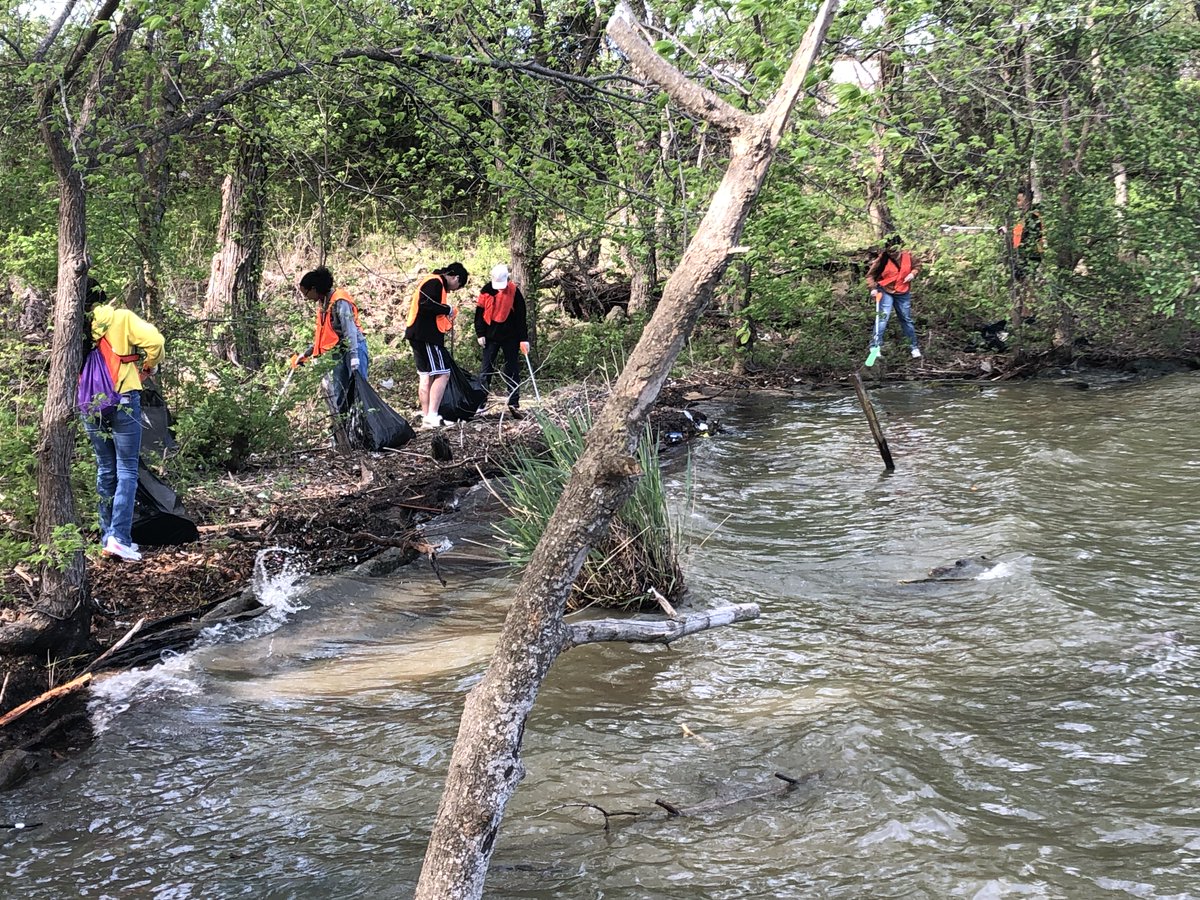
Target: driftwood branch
604,812
649,631
117,646
62,690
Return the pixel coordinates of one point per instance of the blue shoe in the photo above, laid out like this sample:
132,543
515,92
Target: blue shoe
872,356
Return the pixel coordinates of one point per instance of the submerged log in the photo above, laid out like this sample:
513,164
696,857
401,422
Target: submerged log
647,631
789,785
876,431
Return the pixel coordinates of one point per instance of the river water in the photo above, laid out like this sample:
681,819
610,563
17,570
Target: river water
1033,731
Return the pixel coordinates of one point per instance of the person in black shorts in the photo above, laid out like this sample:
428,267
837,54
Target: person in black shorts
430,317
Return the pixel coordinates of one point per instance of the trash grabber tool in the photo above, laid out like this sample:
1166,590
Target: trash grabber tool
286,381
533,380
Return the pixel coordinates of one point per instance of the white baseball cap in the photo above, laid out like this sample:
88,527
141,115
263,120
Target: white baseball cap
500,276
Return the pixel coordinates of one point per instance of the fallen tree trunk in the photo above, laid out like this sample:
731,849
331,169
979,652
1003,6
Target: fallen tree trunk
486,764
650,631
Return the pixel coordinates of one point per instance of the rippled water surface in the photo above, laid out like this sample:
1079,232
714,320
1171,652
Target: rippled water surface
1028,731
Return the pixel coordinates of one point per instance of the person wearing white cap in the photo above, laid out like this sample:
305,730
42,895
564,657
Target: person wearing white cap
500,326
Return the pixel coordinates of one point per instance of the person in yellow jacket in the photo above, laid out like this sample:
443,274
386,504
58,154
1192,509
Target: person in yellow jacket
116,433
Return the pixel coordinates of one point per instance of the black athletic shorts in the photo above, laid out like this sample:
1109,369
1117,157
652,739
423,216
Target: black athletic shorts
432,359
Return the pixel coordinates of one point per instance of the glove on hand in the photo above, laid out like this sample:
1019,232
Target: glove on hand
355,362
482,341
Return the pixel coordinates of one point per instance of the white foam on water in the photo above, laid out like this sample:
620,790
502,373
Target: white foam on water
112,695
277,590
1005,568
278,581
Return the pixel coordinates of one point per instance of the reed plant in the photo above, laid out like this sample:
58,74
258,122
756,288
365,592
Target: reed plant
640,554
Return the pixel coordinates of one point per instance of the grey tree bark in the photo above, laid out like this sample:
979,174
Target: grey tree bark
879,211
61,620
486,765
153,163
231,303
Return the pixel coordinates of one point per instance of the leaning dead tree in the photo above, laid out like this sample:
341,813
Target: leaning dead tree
486,765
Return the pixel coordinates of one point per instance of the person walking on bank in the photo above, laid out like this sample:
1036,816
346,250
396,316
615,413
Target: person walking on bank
500,326
337,328
114,423
1028,246
430,316
890,279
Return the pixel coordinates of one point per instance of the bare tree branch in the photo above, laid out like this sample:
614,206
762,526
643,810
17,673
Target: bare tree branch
55,29
697,101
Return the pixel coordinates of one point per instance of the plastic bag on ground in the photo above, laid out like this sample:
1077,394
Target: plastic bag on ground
464,395
371,424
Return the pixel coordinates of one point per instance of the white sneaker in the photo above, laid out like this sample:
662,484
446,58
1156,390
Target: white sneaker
431,421
113,547
916,353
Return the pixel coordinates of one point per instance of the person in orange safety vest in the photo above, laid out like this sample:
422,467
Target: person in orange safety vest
889,278
430,317
116,433
500,325
337,329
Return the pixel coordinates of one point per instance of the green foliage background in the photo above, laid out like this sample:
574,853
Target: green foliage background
405,137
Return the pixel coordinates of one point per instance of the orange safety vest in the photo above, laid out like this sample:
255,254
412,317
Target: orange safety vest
497,306
444,322
114,360
325,337
892,277
1018,233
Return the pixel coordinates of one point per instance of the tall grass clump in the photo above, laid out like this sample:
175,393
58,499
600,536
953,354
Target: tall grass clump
640,553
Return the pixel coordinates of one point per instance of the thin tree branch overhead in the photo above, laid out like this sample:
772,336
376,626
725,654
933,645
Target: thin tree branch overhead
697,101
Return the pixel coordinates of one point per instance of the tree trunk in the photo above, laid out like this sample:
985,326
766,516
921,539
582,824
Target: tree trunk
1121,204
744,332
153,165
1031,108
638,250
486,765
231,303
878,210
63,620
522,233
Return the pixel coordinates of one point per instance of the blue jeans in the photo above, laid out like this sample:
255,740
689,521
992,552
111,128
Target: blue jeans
883,312
340,377
116,436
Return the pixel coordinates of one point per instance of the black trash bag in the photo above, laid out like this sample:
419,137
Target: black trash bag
371,424
464,395
159,518
156,422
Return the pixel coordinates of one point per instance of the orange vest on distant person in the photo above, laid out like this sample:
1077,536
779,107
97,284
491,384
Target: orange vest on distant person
891,279
444,322
497,306
325,337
